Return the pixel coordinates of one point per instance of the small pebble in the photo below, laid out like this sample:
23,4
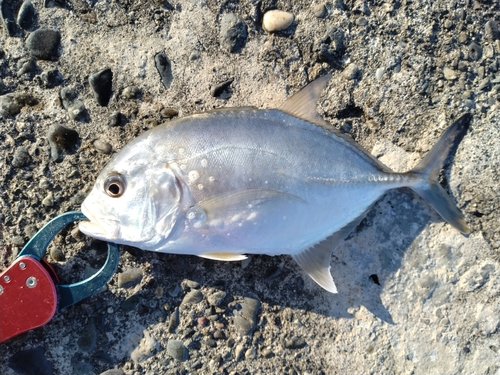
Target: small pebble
193,297
130,92
102,85
233,33
168,112
449,74
276,20
57,254
74,106
129,278
218,89
239,352
351,71
173,321
475,51
44,44
103,147
319,10
130,303
21,157
190,284
251,353
210,342
491,30
115,119
88,337
267,353
295,343
177,350
48,201
27,67
31,362
30,230
216,298
246,319
484,84
379,73
61,139
51,78
164,68
26,17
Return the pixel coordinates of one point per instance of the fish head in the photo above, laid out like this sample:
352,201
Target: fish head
134,201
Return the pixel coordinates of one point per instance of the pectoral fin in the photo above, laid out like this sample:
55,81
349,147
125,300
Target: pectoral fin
227,257
316,260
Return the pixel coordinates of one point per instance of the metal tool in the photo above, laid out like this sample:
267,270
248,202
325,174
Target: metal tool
30,293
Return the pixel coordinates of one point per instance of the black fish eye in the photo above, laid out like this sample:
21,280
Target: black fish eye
114,186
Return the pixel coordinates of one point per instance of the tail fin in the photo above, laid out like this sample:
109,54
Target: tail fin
428,171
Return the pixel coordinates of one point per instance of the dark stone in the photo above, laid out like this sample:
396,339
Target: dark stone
65,4
60,139
330,47
131,303
177,350
27,67
52,78
115,119
26,17
44,44
7,14
475,51
31,362
219,88
71,103
21,157
88,337
295,343
102,85
11,104
233,33
164,68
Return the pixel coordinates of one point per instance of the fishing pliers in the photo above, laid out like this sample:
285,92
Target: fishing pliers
30,293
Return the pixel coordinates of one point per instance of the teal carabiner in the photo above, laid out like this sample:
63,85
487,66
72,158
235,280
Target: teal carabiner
69,294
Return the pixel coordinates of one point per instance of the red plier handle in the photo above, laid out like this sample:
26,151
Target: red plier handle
30,293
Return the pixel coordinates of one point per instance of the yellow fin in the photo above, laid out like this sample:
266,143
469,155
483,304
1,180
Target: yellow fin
228,257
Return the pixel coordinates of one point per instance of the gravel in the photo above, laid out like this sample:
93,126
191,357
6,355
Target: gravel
414,295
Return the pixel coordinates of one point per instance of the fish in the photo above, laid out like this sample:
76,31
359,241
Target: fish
233,182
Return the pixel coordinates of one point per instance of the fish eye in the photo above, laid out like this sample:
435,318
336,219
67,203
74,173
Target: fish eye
114,186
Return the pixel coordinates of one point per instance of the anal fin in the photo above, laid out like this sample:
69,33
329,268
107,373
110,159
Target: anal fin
315,260
227,257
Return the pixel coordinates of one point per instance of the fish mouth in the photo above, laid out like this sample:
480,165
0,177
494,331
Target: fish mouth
101,229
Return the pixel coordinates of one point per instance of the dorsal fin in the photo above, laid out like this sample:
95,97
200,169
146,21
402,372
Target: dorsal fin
303,103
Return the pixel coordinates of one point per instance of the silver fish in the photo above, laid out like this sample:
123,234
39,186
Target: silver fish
238,181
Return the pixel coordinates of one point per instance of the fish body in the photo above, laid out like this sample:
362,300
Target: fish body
232,182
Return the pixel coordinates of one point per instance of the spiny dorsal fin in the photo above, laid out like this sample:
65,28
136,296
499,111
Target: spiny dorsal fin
228,257
303,103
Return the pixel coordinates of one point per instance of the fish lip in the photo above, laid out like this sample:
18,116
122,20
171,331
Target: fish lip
104,229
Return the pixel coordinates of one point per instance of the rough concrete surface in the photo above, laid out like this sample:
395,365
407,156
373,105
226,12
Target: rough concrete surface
415,296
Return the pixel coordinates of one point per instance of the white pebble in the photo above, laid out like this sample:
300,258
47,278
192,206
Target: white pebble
276,20
379,73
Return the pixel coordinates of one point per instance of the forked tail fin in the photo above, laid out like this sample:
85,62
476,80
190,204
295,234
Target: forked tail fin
428,170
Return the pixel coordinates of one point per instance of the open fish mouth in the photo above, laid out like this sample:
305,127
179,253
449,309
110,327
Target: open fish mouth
102,229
